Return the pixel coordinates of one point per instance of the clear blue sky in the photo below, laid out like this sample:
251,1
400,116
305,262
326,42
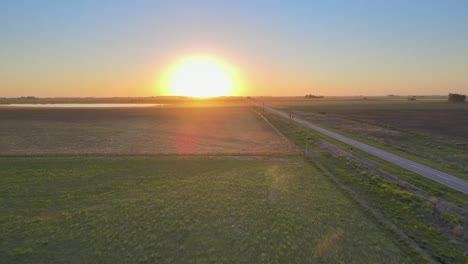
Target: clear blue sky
121,48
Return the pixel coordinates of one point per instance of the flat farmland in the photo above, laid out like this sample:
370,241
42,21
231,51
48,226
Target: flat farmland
434,132
413,212
126,131
425,116
195,182
184,209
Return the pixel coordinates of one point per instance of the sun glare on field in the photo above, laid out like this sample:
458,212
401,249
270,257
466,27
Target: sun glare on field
201,76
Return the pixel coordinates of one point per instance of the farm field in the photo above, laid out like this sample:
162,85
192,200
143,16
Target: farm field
191,181
435,218
433,131
434,116
214,129
183,209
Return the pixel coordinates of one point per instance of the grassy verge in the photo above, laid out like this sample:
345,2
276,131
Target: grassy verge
433,188
407,211
463,174
183,209
417,144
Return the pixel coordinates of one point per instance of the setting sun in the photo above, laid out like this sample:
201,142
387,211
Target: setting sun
201,76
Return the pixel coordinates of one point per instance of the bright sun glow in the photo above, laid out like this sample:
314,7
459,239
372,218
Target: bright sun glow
201,76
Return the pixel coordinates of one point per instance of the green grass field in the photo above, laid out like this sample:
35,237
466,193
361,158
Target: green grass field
184,209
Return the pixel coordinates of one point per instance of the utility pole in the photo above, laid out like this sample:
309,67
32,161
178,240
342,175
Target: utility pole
263,106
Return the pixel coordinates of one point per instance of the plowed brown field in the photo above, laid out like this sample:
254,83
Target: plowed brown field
119,131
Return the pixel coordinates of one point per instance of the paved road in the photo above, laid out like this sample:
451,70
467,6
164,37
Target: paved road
430,173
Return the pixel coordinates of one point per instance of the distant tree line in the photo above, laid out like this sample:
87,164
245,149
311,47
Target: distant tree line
28,97
456,97
313,96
